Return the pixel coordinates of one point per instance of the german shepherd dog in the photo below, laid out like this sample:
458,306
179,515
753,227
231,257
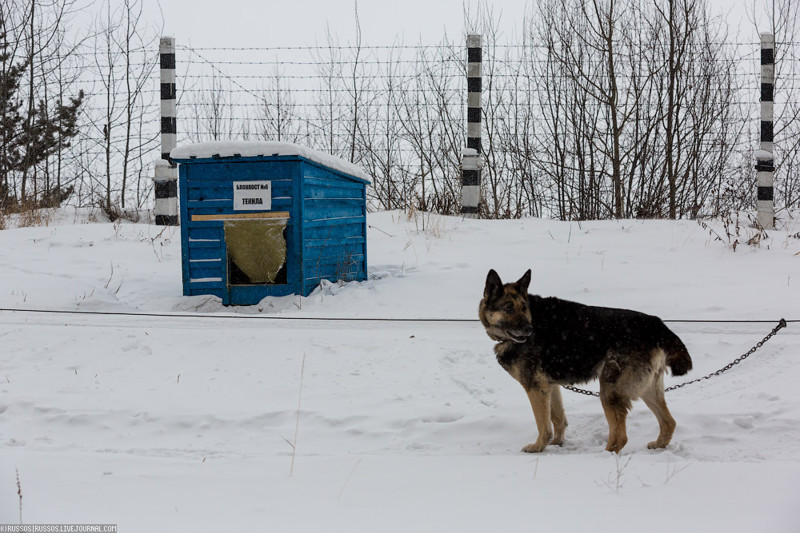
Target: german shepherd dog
547,342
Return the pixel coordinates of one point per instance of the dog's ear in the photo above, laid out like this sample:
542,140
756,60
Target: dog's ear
524,282
494,287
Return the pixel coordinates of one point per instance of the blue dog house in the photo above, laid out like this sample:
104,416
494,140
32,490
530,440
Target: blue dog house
268,219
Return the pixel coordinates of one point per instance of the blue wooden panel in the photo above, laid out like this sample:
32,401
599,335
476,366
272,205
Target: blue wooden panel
313,265
312,252
343,260
204,253
195,246
206,195
333,229
356,203
331,180
184,210
231,170
334,258
205,271
332,241
312,169
195,206
206,227
219,210
333,192
218,191
333,187
315,249
332,272
327,209
326,223
199,232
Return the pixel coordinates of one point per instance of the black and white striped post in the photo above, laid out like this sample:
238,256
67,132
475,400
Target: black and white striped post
765,159
471,161
166,172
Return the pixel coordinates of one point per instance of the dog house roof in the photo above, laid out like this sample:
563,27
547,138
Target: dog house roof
229,149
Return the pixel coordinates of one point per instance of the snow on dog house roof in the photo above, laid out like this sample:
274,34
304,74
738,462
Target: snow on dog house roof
231,149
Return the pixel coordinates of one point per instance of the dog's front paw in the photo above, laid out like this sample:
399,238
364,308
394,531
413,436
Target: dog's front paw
535,447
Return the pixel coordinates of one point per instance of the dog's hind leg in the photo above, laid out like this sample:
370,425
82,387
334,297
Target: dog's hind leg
616,409
540,398
615,396
557,415
654,399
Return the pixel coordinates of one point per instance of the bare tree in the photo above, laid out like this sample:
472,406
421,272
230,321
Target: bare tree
328,117
216,108
356,87
278,110
430,111
380,139
123,64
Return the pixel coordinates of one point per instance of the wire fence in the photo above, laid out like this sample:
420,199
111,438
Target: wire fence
399,111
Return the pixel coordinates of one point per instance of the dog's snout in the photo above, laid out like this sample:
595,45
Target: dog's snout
527,329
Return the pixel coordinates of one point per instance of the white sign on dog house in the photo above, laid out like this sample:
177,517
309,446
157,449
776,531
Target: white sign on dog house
252,195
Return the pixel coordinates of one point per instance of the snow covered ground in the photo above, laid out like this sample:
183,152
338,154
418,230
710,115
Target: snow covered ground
184,423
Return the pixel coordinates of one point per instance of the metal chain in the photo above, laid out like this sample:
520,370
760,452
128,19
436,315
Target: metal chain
748,353
580,391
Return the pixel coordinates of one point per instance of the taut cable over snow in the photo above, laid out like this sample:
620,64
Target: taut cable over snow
337,318
782,323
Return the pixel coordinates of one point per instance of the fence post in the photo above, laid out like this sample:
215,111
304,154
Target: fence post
765,162
471,161
166,172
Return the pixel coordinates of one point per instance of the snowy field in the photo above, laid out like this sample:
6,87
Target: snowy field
187,423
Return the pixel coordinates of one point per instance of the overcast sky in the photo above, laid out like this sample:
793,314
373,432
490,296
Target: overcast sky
272,23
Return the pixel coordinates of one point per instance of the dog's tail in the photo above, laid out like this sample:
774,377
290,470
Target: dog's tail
678,359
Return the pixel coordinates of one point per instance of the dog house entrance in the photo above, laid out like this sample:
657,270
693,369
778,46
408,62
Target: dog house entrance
256,251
